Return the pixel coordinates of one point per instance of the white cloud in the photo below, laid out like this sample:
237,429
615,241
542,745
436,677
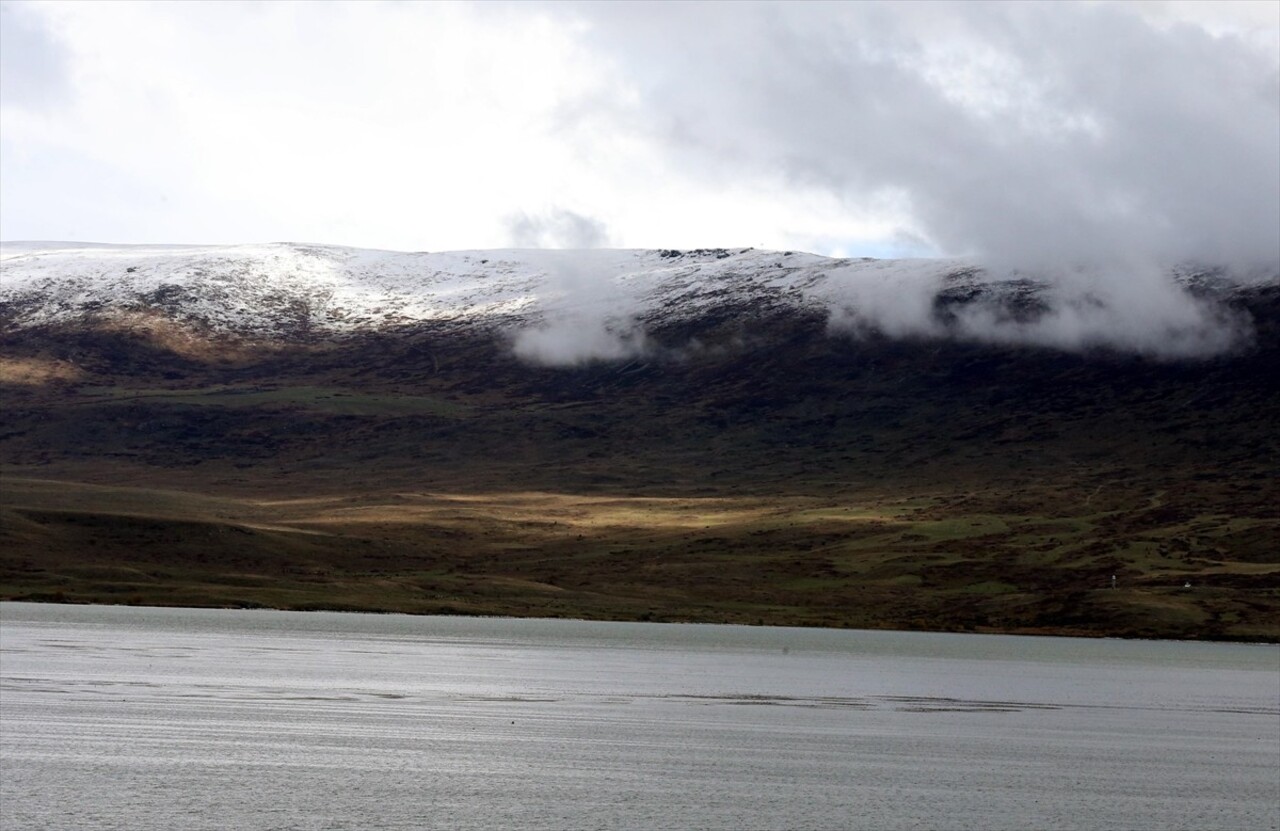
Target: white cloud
556,228
406,125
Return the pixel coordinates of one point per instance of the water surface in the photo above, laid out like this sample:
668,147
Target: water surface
117,717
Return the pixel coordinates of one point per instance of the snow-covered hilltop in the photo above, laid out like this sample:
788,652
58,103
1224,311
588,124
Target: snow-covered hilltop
576,305
265,289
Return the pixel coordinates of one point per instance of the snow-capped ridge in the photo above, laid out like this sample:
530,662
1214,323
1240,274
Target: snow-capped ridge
598,304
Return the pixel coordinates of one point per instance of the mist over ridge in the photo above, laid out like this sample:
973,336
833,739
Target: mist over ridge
566,308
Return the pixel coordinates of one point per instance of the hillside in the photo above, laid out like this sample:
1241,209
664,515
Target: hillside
734,435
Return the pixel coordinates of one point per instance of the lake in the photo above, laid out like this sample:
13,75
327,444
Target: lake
145,718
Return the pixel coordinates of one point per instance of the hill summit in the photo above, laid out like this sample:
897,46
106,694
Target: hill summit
576,306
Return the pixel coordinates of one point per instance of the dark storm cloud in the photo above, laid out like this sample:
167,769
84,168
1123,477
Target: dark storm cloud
1024,133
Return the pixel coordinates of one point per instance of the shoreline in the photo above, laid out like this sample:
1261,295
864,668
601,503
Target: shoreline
989,631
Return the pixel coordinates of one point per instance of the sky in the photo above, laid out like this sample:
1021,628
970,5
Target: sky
1022,132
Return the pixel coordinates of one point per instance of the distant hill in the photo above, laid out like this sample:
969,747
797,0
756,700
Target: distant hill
733,435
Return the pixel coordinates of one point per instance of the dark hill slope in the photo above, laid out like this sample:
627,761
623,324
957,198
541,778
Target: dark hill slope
750,467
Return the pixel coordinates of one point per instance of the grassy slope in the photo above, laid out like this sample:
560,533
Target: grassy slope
793,479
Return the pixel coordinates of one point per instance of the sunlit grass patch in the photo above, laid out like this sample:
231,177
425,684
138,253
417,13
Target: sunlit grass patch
37,371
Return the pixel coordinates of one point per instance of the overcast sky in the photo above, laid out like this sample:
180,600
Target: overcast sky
1014,131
